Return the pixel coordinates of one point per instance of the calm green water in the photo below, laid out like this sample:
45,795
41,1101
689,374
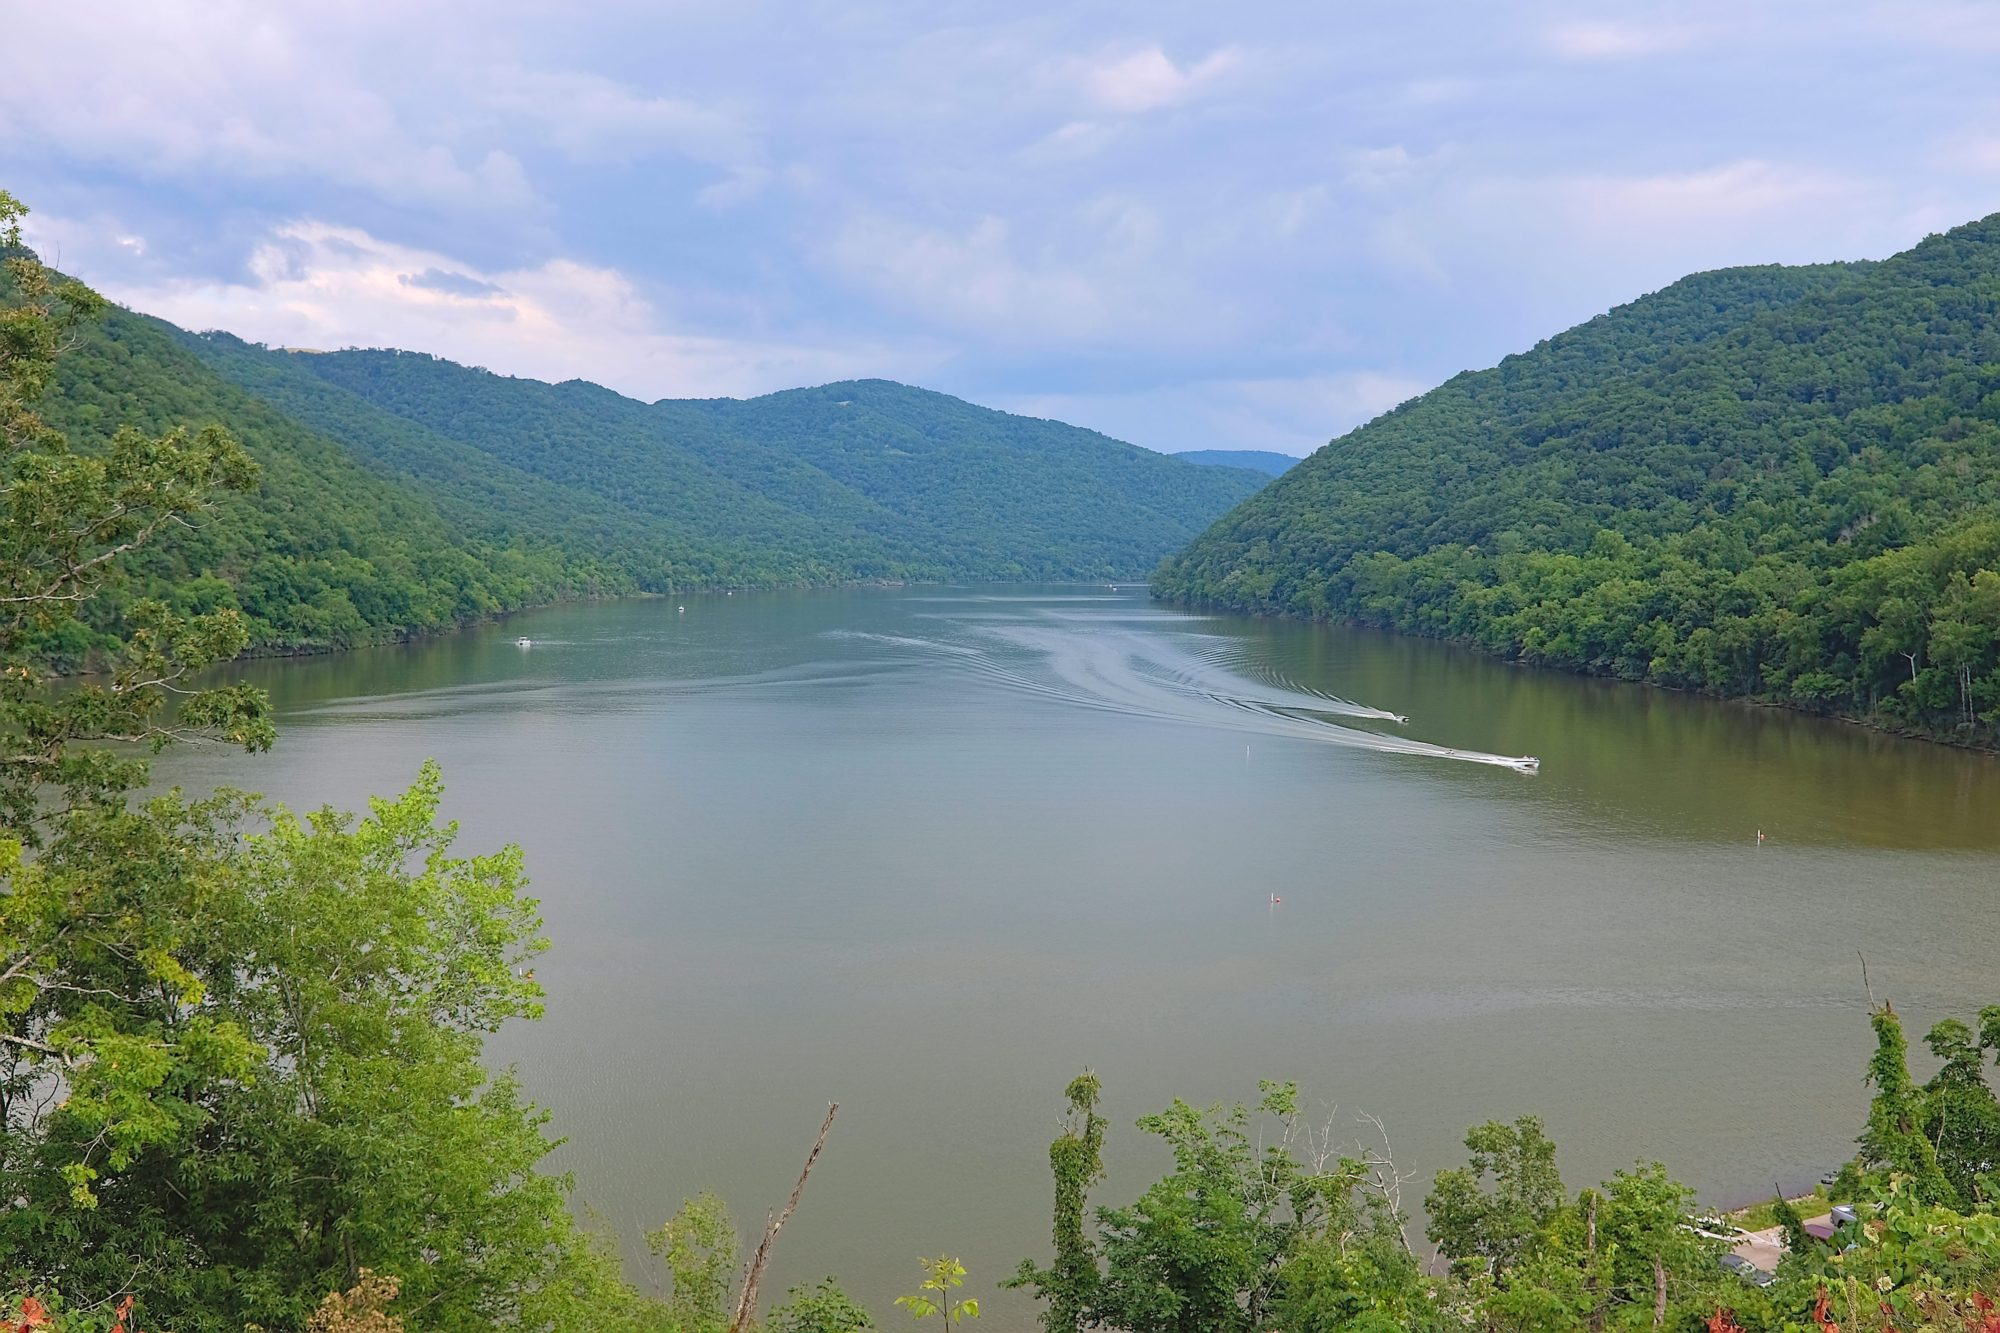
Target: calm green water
930,852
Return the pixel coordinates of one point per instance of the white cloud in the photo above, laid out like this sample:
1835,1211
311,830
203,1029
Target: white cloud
1147,79
1112,273
969,280
596,118
1057,194
1955,26
1723,196
1606,40
236,92
232,92
1976,151
1293,209
311,284
741,184
1399,245
1075,141
1386,168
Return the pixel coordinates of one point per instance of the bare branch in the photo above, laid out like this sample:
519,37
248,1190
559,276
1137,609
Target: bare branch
746,1304
29,1043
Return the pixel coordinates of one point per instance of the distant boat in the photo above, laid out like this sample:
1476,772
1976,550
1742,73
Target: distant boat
1275,900
681,610
524,643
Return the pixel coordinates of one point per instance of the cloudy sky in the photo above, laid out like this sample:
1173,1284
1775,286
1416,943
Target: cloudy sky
1187,224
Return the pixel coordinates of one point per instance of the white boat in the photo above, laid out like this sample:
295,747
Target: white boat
524,643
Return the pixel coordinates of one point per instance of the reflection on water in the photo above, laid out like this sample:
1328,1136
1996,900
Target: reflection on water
928,852
1101,661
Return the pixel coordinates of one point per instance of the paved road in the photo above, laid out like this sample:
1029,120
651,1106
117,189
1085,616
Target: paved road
1764,1248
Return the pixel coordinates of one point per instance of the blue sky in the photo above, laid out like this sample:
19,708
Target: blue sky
1189,225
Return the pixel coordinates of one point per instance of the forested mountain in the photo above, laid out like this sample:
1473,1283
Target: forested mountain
242,1081
1781,482
401,493
1257,460
322,553
865,479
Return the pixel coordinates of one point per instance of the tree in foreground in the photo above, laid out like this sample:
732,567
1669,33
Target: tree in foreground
1068,1287
822,1308
943,1276
85,881
239,1048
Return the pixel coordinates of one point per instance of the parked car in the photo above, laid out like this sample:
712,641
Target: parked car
1844,1215
1749,1272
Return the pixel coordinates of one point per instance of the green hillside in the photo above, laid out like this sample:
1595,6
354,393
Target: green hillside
325,553
1257,460
1779,482
404,494
859,480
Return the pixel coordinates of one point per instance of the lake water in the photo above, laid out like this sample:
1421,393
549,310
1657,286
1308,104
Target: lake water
929,852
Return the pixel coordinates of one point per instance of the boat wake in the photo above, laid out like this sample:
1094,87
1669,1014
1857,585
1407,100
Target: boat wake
1120,663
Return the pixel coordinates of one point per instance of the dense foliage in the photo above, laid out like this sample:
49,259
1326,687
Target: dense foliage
239,1057
1941,1137
1257,460
865,479
318,553
241,1080
400,494
1780,482
1264,1225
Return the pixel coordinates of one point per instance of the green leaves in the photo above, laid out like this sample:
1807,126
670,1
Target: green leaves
70,523
823,1308
699,1247
1070,1284
942,1276
1941,1139
1485,1215
273,1070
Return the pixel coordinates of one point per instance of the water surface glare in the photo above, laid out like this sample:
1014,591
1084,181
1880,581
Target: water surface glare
929,852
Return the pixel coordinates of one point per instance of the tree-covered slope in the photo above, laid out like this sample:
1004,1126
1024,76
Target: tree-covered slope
866,479
408,418
1021,497
404,494
323,553
1257,460
1781,482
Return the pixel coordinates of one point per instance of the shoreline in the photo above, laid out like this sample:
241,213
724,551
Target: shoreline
1989,749
268,652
